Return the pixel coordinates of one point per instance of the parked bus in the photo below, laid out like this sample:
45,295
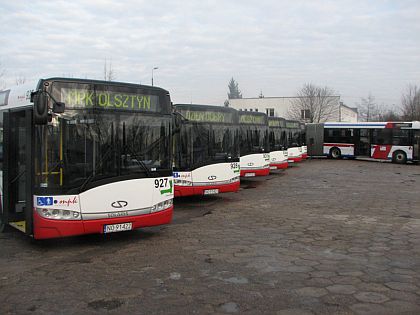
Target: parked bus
84,156
254,145
395,141
302,141
206,150
278,143
294,147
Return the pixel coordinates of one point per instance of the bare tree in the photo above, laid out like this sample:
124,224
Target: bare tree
410,102
368,109
314,104
109,73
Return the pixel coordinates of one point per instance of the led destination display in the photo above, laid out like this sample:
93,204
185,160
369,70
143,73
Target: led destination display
208,116
82,98
252,119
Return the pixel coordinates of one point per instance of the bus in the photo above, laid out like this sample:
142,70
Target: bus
395,141
85,156
294,146
302,141
254,145
206,150
278,143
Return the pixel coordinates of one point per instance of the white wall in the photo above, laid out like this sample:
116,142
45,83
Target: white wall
282,105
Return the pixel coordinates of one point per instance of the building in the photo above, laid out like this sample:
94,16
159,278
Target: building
281,106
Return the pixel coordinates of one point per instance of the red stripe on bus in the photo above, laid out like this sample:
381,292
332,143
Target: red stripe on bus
381,151
183,191
280,166
258,172
345,145
46,228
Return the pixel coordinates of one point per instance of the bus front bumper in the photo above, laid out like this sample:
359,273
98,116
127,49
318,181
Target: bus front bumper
256,172
279,166
294,159
183,191
47,228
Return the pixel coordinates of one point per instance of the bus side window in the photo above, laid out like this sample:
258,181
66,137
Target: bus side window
400,137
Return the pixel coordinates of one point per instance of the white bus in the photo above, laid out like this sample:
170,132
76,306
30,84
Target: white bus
278,143
253,142
395,141
84,156
206,150
294,137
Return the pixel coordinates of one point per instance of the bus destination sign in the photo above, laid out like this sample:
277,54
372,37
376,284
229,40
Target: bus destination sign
83,98
276,123
207,116
252,119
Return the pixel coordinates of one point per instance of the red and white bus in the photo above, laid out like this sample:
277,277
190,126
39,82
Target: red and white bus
85,156
278,143
394,141
206,150
294,141
253,143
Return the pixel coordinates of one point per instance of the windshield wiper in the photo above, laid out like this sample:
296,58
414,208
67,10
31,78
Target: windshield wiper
138,160
91,176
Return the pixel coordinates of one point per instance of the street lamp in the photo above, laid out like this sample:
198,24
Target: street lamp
154,68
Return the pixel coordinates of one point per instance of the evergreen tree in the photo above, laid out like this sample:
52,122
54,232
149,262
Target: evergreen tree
234,91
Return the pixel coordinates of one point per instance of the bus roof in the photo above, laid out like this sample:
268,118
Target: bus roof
200,107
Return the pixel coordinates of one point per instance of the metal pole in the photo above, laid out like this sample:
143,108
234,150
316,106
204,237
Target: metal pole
154,68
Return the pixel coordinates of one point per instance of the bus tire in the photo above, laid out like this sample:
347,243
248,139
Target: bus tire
399,157
335,153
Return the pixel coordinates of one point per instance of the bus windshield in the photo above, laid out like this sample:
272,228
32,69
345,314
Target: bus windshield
253,139
278,139
201,144
82,148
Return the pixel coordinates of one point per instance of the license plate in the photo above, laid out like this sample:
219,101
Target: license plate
273,167
110,228
249,174
211,191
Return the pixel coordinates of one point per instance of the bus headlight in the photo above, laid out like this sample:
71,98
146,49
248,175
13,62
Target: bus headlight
58,214
161,206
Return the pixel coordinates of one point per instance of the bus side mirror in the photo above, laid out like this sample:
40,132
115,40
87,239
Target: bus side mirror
40,107
59,107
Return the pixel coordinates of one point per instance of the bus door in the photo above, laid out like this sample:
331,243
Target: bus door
17,179
361,142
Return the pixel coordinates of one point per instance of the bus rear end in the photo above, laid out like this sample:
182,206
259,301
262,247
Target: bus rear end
206,150
254,146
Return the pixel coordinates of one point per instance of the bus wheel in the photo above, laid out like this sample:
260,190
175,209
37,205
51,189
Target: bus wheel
399,157
335,153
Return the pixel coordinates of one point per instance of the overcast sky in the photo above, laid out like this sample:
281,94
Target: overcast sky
355,47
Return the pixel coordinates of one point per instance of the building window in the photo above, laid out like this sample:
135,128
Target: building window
269,112
256,109
305,114
250,109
